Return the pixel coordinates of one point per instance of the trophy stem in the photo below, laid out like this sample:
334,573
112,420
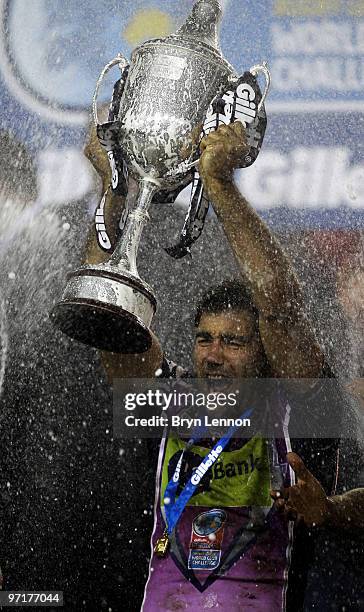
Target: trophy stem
108,306
125,254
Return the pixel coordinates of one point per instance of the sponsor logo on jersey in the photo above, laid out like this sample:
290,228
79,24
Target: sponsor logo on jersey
183,468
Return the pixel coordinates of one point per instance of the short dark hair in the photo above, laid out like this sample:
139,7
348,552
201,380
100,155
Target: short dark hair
231,295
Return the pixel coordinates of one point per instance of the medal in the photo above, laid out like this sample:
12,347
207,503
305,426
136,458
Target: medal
162,546
173,508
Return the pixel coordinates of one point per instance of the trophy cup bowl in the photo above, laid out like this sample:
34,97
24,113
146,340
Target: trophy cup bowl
170,85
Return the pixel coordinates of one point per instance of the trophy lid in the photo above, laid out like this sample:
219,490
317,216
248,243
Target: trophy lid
203,23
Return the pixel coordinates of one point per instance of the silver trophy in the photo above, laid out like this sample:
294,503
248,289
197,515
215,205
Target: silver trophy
171,88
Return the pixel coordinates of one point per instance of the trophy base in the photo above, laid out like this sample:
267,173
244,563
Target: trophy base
106,310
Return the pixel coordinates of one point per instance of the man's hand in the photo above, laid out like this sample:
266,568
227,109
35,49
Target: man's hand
222,152
306,501
98,157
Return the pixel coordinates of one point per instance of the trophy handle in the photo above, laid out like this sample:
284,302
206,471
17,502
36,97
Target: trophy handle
265,70
119,60
263,67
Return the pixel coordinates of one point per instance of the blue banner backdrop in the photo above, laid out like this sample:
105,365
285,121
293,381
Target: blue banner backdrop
310,173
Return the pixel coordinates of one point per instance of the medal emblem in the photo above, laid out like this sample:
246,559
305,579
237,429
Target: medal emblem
206,540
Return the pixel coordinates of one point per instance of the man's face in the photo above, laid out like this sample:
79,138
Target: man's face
228,345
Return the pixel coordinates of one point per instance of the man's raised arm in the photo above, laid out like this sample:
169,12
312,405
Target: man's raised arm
289,342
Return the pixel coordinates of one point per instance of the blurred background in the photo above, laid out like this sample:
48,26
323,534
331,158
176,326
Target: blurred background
76,509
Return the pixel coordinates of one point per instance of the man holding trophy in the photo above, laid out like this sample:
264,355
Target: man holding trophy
280,344
163,133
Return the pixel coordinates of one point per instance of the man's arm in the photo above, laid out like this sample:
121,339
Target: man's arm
143,365
288,340
307,501
114,205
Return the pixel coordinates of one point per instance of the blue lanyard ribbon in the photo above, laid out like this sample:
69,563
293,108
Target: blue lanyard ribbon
173,508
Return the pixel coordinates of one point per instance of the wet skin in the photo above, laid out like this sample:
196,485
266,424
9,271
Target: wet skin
228,345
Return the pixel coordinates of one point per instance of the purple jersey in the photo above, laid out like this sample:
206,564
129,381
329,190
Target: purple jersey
230,549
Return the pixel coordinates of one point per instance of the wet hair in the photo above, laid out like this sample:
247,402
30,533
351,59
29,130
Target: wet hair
231,295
